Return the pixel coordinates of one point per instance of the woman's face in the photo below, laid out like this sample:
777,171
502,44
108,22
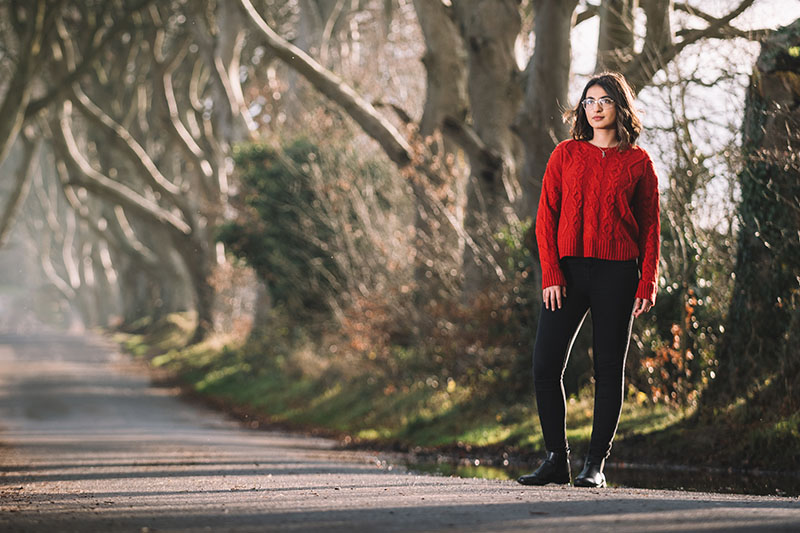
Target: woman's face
600,115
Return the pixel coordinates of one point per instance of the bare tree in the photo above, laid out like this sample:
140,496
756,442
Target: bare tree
29,36
68,251
186,79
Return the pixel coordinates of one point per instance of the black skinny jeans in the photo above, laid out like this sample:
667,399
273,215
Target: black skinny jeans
607,288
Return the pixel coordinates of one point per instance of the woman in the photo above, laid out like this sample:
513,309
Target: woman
598,230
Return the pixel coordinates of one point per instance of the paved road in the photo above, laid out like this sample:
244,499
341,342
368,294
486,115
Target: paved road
86,444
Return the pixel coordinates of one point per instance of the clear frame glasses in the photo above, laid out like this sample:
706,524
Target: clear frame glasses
605,101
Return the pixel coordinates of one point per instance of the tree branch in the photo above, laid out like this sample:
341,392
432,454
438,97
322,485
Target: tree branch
375,125
21,188
165,67
61,86
480,154
95,181
113,232
686,8
651,59
715,26
399,111
17,96
726,32
137,154
224,53
327,31
49,270
591,11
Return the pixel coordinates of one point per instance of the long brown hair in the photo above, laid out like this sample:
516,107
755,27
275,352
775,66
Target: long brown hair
628,124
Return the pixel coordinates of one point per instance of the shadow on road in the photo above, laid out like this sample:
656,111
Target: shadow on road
89,446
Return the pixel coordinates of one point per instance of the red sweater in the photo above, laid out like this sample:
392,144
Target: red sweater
599,206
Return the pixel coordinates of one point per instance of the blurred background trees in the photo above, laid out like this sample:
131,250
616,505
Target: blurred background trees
362,175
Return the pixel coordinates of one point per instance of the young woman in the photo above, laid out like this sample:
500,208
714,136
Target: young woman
598,234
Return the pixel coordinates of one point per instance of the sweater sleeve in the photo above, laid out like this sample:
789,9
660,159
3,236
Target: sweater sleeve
547,220
648,217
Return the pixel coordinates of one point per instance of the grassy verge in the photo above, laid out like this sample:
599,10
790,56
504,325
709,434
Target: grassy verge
369,410
275,385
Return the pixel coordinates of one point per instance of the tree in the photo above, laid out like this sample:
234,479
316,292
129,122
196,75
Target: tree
188,106
22,184
28,32
758,355
513,120
72,257
446,103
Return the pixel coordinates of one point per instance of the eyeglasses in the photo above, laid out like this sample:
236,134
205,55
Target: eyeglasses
605,101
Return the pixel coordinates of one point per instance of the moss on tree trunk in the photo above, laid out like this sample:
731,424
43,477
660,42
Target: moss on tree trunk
759,354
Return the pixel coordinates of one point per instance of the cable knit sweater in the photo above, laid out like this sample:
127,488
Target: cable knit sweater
602,205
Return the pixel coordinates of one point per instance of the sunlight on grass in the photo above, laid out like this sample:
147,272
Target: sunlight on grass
218,375
644,419
170,333
418,413
373,434
486,435
467,471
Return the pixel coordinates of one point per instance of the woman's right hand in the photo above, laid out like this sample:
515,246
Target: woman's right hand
553,295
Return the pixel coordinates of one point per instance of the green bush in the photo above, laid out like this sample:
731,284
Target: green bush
279,230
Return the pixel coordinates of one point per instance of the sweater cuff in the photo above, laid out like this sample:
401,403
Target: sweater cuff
646,290
552,275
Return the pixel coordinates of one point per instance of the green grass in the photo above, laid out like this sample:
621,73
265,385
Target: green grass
304,390
369,409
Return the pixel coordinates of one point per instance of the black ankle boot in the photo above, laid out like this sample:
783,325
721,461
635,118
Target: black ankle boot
554,469
592,474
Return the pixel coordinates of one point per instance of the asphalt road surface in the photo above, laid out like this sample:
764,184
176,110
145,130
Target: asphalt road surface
87,444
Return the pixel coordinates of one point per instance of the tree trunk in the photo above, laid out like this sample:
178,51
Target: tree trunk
445,63
445,99
757,358
12,113
21,187
489,29
106,292
615,40
657,50
87,291
539,122
198,260
28,59
139,293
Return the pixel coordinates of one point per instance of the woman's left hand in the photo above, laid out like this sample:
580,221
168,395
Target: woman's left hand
641,305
